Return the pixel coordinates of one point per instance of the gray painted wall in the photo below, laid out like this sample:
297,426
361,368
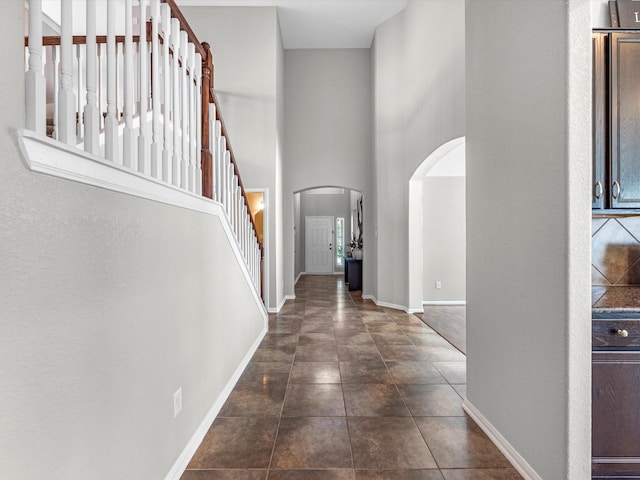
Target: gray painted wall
327,130
109,304
419,70
247,56
444,253
528,227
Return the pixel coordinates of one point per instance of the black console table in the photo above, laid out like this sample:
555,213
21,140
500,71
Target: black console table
353,273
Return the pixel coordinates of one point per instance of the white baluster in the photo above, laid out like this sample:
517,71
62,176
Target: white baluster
241,212
221,147
130,153
198,124
67,102
101,84
91,120
111,122
177,145
245,229
36,114
55,57
120,84
227,181
167,153
184,54
213,149
239,215
156,145
234,204
143,138
192,118
79,96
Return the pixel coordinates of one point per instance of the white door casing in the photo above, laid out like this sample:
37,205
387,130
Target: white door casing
319,245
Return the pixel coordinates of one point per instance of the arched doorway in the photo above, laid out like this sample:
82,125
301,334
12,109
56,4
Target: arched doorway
344,206
443,159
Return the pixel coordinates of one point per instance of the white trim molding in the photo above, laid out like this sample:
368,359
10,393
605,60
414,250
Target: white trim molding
281,304
518,462
45,155
444,302
391,305
189,450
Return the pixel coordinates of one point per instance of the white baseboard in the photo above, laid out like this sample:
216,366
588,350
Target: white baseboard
444,302
414,310
281,304
370,297
391,305
518,462
295,282
183,460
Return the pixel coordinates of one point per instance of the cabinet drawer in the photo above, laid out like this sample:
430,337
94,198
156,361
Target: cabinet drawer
615,333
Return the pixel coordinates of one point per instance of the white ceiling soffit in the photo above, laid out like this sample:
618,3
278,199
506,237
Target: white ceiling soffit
322,23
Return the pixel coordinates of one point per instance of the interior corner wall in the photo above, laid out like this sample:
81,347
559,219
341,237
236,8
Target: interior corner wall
327,131
444,236
247,56
528,228
279,210
109,303
419,91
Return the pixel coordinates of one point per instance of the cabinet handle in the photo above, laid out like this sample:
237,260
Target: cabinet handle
623,333
597,191
615,190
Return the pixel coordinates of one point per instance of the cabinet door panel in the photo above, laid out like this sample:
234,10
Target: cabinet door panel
599,133
625,120
615,412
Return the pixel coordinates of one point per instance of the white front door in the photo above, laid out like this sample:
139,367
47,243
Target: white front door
319,244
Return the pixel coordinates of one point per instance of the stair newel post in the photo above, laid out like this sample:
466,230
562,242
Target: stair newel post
184,105
129,151
111,121
34,78
177,145
199,124
205,152
156,145
91,121
66,97
167,152
193,127
143,78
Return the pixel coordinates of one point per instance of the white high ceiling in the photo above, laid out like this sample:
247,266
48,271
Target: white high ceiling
322,23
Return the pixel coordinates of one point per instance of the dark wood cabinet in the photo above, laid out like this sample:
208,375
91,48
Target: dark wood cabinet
353,273
625,119
616,120
615,404
599,43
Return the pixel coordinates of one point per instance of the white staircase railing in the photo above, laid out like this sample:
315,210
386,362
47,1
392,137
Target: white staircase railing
140,95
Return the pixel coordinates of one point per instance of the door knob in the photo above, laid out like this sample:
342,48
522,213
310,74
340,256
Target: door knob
623,333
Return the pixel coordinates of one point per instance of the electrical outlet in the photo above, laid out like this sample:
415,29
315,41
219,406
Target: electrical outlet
177,402
438,284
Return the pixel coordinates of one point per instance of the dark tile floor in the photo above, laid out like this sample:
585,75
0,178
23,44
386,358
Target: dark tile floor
341,389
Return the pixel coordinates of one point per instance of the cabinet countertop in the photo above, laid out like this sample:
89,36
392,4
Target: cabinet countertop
615,300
